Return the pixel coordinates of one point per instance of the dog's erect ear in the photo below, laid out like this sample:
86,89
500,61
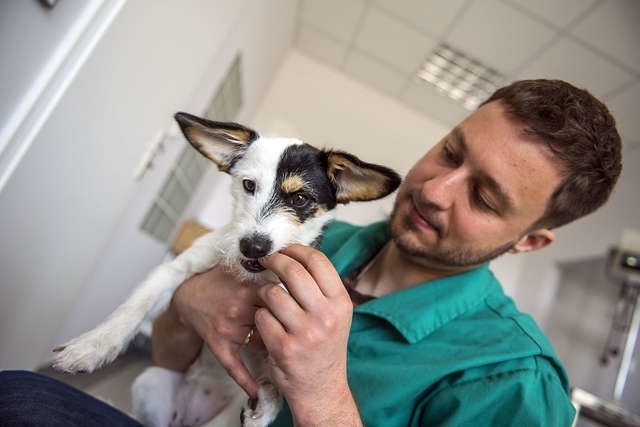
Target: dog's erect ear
221,142
356,180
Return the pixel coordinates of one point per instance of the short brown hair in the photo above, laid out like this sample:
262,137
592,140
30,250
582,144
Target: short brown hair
581,133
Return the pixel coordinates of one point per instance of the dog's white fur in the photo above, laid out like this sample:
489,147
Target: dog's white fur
205,390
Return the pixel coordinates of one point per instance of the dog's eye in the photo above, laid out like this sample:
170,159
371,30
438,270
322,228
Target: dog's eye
299,200
249,185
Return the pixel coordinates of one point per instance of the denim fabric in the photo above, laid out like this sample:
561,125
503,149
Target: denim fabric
31,399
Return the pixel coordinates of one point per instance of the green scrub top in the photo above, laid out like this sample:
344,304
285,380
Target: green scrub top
451,352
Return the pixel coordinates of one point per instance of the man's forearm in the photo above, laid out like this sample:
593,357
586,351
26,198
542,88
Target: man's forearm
175,345
341,410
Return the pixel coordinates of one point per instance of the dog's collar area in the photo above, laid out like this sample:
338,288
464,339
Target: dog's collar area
252,265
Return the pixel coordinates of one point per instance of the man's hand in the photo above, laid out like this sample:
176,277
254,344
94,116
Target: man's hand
305,332
219,309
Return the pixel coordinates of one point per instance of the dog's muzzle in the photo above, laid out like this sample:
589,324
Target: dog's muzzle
253,247
252,265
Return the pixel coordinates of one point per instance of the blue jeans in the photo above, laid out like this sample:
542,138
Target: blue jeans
30,399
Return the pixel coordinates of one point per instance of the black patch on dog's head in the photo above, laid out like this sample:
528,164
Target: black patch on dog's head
302,173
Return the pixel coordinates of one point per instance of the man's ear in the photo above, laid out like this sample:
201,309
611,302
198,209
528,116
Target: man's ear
534,240
356,180
220,142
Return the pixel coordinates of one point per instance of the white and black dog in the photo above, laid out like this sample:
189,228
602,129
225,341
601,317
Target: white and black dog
284,191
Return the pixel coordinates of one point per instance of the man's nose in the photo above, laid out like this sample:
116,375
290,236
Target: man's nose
442,190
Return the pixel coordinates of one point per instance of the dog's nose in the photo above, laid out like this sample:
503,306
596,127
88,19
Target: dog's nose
255,246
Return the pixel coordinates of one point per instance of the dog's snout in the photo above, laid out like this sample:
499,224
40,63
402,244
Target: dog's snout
255,246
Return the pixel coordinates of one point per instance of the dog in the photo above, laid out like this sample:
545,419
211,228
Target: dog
284,191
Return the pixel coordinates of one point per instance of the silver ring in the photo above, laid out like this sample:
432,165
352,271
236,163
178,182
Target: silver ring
248,337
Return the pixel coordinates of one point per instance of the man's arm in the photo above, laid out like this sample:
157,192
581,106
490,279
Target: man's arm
175,344
305,332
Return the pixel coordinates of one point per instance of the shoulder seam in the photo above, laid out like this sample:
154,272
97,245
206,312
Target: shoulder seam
498,376
533,340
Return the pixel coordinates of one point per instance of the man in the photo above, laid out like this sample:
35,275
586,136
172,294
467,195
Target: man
401,322
432,339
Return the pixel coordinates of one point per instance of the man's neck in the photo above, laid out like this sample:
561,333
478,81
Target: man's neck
390,271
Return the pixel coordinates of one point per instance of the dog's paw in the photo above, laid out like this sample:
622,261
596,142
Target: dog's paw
85,353
262,411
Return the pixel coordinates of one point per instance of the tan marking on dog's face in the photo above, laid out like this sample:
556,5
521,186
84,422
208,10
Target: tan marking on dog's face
292,183
286,213
321,210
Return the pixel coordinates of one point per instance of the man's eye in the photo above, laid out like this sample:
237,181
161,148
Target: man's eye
449,155
299,200
483,202
249,186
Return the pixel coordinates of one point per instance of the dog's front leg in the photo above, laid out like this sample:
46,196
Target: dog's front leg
104,343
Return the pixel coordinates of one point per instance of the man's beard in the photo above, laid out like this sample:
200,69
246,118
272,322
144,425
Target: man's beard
443,258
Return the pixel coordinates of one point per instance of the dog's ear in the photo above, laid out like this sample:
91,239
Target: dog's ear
220,142
356,180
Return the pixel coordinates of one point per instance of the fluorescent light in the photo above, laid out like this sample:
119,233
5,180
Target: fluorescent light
459,76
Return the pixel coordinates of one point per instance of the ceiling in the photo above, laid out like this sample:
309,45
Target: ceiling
383,43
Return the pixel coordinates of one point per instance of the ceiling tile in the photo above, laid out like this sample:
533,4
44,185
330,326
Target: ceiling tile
499,34
585,69
383,42
389,40
320,46
558,13
433,17
336,17
614,28
425,98
624,108
375,73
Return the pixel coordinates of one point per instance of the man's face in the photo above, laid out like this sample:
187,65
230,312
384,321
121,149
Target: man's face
474,195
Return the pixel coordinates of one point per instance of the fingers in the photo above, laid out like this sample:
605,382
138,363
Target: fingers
221,310
297,264
233,324
283,306
230,360
295,277
320,268
314,287
270,329
305,330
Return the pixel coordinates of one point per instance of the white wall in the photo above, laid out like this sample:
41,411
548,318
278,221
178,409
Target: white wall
30,52
73,196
